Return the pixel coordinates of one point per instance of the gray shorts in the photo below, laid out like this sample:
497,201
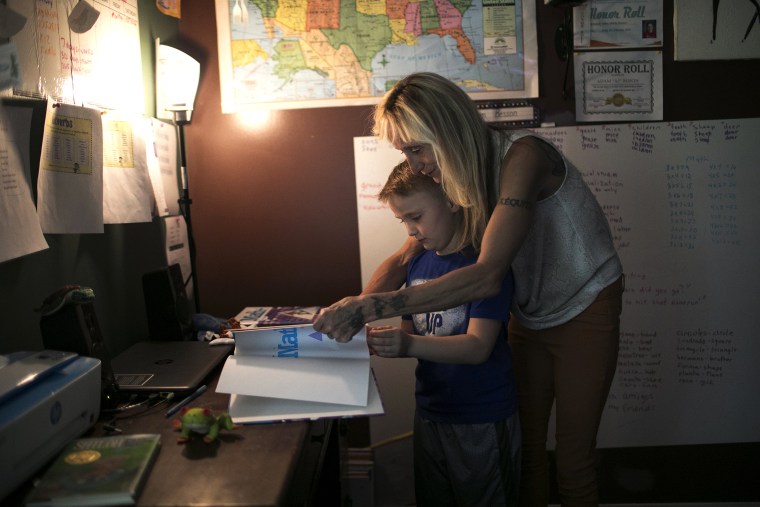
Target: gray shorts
466,464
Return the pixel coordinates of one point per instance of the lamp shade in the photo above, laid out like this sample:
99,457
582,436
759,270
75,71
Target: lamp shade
177,76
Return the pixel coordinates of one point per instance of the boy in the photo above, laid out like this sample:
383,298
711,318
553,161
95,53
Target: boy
466,431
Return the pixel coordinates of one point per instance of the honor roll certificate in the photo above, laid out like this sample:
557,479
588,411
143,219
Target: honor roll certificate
618,86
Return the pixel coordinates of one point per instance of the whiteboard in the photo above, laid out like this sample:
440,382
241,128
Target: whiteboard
101,67
682,202
380,234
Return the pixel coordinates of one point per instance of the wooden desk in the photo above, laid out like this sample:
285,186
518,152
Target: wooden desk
295,463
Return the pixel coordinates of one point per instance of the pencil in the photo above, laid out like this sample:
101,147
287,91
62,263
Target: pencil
173,410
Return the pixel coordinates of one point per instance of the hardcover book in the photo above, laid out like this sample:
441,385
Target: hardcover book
294,372
98,471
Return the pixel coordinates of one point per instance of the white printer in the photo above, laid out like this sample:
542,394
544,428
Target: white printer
47,399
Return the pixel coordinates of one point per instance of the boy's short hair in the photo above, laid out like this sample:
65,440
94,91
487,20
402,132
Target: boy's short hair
403,181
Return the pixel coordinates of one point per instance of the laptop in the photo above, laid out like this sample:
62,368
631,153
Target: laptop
166,366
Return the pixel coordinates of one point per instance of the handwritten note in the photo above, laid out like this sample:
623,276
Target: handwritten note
101,67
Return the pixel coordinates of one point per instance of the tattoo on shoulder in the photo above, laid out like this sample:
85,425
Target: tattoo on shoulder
396,302
516,203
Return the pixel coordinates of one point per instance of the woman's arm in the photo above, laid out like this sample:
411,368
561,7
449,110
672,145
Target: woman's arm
473,347
529,171
391,274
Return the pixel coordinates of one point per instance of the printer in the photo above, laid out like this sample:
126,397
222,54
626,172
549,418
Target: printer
47,399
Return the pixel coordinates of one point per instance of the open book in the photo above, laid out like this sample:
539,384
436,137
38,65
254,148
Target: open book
295,372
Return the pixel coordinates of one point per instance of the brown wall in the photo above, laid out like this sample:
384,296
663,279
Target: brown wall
274,208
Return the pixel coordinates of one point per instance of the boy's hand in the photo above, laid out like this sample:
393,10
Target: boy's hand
388,341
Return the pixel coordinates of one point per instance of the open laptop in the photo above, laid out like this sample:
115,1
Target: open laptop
167,366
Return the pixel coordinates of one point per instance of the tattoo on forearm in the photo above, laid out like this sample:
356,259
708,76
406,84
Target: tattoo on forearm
355,319
397,302
515,203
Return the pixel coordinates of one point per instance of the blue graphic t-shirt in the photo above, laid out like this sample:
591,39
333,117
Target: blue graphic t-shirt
462,393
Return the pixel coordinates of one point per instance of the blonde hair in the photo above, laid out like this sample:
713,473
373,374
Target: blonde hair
429,109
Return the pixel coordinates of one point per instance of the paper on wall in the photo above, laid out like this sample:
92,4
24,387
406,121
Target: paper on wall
126,183
70,181
19,227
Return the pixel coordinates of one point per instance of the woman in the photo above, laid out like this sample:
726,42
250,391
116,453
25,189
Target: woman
525,207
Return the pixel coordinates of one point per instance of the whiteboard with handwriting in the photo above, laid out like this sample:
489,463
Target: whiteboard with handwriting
101,67
683,203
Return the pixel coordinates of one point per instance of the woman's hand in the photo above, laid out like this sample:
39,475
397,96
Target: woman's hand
388,341
342,320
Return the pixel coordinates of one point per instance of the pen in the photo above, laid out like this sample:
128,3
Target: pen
173,410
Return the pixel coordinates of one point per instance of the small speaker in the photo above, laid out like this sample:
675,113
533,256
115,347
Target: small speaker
74,328
166,305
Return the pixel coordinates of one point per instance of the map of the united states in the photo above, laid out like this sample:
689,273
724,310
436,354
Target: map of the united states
300,50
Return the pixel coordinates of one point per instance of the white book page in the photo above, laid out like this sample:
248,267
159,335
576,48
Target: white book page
253,409
324,380
297,342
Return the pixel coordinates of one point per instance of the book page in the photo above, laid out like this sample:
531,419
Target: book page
252,409
325,380
297,342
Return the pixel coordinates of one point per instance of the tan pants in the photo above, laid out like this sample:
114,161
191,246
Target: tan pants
572,364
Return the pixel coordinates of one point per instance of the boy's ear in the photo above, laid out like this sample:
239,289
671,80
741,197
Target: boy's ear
453,207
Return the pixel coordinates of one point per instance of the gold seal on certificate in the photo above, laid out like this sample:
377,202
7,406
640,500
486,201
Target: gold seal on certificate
618,100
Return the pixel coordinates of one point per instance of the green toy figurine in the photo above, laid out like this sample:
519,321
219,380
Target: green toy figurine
202,422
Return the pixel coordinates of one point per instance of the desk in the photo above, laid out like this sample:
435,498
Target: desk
294,463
